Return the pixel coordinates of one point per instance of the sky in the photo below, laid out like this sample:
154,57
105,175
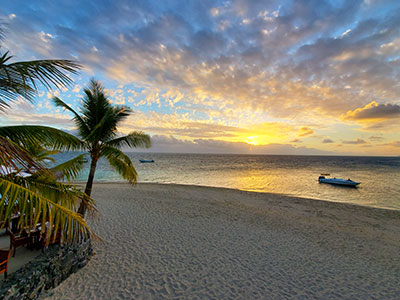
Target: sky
254,77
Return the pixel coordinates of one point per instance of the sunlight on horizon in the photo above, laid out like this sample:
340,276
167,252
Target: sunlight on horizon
252,140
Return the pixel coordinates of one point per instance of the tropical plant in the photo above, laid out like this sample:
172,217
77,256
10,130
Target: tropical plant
38,196
21,78
40,154
97,127
36,142
35,193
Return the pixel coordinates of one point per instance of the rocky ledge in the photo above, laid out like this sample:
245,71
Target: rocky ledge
46,271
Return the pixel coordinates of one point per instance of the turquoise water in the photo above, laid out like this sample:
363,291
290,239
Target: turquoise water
290,175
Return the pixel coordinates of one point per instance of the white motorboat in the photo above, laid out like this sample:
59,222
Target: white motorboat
338,181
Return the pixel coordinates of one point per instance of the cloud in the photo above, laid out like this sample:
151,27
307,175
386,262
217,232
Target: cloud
162,143
23,112
54,93
306,131
376,138
298,75
327,141
296,141
393,144
77,88
374,112
355,142
185,126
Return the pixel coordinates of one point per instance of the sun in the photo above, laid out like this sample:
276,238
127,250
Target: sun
252,140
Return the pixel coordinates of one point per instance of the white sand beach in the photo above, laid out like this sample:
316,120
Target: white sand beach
189,242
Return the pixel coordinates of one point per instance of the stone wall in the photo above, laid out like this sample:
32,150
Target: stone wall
46,271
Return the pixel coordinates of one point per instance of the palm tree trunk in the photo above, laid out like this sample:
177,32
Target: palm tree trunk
89,184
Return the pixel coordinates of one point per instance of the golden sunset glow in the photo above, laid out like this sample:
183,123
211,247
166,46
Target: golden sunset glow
252,140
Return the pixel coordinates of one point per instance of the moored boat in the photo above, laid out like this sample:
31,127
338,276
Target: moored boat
146,160
338,181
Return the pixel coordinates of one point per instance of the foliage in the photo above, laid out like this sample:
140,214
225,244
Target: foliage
31,135
41,199
21,78
38,197
97,126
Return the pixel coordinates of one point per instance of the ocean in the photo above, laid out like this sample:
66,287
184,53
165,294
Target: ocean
283,174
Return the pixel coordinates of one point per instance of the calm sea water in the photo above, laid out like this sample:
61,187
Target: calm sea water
290,175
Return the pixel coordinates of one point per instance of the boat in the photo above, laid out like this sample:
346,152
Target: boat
338,181
146,160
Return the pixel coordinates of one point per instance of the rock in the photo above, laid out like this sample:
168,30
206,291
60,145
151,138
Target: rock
46,271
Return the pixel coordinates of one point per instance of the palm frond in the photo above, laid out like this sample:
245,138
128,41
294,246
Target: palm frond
134,139
21,78
115,116
120,163
47,203
95,134
14,157
53,138
71,168
79,122
40,153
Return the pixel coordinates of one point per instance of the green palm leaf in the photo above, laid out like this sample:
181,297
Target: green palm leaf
38,201
21,78
13,156
40,153
80,123
28,135
120,163
71,168
132,140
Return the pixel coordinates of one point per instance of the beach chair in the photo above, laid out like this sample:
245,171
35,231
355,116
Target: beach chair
4,258
19,240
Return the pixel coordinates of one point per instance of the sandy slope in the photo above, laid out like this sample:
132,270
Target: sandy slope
187,242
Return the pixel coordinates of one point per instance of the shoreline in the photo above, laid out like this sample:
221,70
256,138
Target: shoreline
246,191
164,241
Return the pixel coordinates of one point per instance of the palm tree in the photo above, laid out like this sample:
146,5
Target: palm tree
97,127
38,196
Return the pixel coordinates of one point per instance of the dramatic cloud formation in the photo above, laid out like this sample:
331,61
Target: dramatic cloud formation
243,71
374,111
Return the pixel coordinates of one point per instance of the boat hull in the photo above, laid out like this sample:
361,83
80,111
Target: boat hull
146,160
342,182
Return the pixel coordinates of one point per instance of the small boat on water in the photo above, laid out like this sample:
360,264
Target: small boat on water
146,160
338,181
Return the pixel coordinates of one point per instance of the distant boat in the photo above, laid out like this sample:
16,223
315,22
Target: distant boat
146,160
338,181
